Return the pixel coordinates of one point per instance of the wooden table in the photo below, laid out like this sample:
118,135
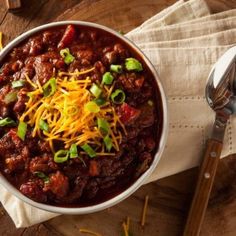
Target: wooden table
169,197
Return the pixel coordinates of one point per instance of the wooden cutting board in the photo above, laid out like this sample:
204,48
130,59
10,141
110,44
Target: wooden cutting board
170,197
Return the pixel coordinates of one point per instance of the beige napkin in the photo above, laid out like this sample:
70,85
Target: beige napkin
183,42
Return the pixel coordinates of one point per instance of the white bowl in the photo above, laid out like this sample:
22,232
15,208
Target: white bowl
143,178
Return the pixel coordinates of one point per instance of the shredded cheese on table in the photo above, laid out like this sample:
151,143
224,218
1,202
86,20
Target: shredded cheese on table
126,226
144,213
87,231
65,113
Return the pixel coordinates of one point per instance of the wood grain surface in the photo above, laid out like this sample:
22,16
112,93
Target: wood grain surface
170,197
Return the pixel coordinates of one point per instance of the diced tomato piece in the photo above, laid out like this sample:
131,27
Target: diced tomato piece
128,114
139,82
67,37
93,168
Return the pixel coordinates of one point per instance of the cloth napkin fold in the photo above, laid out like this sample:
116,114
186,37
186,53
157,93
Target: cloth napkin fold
183,42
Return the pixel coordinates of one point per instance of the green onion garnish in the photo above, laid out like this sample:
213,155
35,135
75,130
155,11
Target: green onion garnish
133,64
108,142
116,68
103,125
100,101
95,90
61,156
89,150
10,97
73,151
118,96
68,58
22,129
42,176
17,83
43,125
92,107
107,78
7,121
50,87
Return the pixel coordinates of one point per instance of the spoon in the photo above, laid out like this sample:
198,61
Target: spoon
221,97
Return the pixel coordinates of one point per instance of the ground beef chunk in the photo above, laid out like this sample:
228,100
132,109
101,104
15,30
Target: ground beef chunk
19,106
4,108
121,51
150,143
44,164
35,46
110,57
145,161
77,191
131,82
14,164
44,65
58,184
86,54
34,191
51,38
91,189
147,117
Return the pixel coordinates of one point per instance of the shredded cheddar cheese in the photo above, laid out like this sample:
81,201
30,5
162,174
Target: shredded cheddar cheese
87,231
1,46
66,115
144,213
126,232
126,226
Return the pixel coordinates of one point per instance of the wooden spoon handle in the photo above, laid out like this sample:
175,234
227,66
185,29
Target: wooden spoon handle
203,189
13,5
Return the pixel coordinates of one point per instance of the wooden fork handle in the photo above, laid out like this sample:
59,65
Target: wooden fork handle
203,189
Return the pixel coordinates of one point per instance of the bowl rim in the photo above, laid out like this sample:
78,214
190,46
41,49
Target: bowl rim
141,180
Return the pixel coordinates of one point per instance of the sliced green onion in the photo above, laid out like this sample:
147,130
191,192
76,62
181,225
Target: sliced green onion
116,68
107,78
42,176
150,103
43,125
22,129
108,142
61,156
10,97
100,101
95,90
103,125
89,150
68,58
92,107
17,83
50,87
118,96
7,121
73,151
133,64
